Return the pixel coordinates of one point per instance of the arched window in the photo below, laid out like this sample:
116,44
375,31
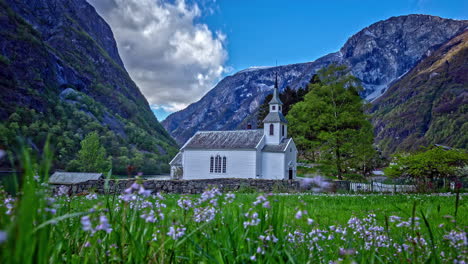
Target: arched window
211,164
218,164
224,164
271,130
282,130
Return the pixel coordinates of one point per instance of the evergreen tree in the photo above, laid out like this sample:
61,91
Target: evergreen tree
331,122
92,156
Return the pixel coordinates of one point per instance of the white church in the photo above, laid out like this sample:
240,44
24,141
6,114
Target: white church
256,154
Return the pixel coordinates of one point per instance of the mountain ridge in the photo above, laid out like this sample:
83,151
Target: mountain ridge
377,54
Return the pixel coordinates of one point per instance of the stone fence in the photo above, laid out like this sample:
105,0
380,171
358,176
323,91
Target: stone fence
226,185
188,186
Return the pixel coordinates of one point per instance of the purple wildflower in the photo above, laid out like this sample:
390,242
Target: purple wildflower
176,232
299,214
230,197
204,214
62,190
104,224
3,236
8,202
86,223
185,203
91,196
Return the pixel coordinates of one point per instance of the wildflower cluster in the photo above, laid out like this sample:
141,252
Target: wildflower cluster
87,224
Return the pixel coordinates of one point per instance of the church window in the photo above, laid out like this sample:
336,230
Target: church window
218,164
273,107
211,164
282,130
224,164
271,130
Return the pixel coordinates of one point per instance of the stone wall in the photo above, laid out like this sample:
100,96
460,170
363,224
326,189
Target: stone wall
189,186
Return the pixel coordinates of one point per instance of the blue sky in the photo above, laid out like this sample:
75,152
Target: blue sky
259,32
220,37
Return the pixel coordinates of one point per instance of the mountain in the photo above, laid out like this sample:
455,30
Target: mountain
429,104
61,73
377,55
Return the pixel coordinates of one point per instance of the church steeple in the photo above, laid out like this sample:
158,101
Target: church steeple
275,128
275,99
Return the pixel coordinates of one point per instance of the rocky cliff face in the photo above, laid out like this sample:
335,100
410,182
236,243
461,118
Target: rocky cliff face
378,55
428,105
59,61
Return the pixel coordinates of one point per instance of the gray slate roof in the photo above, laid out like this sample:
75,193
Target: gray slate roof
273,117
277,148
73,177
177,160
235,139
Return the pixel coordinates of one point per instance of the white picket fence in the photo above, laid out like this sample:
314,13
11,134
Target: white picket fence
380,187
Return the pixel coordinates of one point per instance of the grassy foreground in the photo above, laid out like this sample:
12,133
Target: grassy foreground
139,227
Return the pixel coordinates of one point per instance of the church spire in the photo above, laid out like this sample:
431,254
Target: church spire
275,99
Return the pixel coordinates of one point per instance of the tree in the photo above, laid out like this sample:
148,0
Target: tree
92,156
428,165
331,123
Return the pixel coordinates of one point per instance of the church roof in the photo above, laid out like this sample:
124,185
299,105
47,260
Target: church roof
177,160
235,139
274,117
281,147
73,177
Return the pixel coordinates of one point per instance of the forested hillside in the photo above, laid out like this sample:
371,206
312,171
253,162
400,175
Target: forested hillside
429,105
61,75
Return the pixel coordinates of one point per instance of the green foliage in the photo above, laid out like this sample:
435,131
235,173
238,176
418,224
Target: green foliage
92,156
330,123
4,60
106,229
68,123
434,163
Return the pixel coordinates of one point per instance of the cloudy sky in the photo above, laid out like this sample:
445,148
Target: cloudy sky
177,50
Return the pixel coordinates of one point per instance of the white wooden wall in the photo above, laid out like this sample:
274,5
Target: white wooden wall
276,138
273,165
291,156
240,164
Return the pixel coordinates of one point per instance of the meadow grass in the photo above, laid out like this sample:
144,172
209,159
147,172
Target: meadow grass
138,226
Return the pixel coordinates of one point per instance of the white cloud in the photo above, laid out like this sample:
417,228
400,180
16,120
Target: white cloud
173,59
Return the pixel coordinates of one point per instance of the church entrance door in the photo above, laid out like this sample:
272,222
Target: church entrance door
290,174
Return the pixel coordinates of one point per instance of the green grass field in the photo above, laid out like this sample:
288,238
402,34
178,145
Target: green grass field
137,227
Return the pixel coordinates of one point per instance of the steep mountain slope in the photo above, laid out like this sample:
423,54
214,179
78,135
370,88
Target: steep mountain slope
429,104
378,55
61,73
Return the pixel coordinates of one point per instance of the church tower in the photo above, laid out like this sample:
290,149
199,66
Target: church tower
275,124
